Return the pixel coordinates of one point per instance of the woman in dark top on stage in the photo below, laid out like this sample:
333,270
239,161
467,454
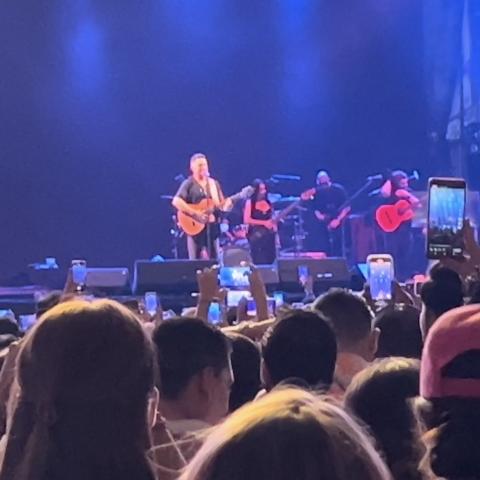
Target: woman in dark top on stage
258,215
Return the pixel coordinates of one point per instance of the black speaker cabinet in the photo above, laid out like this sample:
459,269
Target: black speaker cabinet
168,277
326,273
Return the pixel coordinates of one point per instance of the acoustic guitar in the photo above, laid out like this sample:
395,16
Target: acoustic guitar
192,226
390,217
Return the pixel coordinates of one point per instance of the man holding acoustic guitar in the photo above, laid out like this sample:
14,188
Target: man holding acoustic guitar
199,202
395,218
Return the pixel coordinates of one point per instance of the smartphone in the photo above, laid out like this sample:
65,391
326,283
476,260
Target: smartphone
418,281
234,297
151,303
303,273
26,322
252,307
7,313
215,314
381,274
279,298
446,213
298,305
234,277
79,273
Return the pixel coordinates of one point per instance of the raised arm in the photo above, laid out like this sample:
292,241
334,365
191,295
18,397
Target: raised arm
386,189
402,193
225,203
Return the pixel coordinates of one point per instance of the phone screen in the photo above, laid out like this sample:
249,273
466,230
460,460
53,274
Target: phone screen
79,272
26,322
151,303
234,296
380,277
214,314
234,277
279,299
303,273
252,307
446,211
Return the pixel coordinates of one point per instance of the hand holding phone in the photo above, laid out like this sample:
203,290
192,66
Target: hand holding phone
446,212
380,276
303,274
79,274
151,303
26,322
215,314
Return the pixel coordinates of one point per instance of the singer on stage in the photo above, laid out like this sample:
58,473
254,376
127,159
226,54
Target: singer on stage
258,215
200,186
399,242
329,211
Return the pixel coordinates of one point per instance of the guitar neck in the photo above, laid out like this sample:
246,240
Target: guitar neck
287,210
235,198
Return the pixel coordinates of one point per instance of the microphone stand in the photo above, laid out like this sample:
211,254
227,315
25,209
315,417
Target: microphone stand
209,233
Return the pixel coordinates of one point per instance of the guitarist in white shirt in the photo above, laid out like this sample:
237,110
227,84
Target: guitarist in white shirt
399,243
193,190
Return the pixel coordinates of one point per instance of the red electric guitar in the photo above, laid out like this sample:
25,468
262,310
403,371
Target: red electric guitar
390,217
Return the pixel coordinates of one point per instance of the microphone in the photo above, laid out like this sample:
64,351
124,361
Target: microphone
294,178
414,176
373,178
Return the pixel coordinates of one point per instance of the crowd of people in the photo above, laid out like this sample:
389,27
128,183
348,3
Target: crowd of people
340,389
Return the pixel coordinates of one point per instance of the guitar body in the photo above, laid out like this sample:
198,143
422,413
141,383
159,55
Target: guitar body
390,217
193,227
190,225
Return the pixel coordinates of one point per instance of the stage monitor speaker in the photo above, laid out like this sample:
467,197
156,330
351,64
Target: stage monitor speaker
269,274
168,277
326,273
234,256
108,280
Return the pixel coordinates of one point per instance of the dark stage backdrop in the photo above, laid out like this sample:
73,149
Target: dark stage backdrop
103,101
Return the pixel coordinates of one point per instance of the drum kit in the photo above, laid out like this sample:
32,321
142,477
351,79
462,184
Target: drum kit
291,236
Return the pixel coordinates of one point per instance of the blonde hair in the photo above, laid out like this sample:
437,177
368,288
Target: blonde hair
287,434
85,373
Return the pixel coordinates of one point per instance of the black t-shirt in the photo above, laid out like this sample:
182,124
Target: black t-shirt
192,192
261,214
328,200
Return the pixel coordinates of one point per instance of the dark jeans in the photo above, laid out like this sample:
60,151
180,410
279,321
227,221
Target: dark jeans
328,241
262,248
399,245
198,247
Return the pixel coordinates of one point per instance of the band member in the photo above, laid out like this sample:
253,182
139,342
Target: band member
329,211
258,215
193,190
399,242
